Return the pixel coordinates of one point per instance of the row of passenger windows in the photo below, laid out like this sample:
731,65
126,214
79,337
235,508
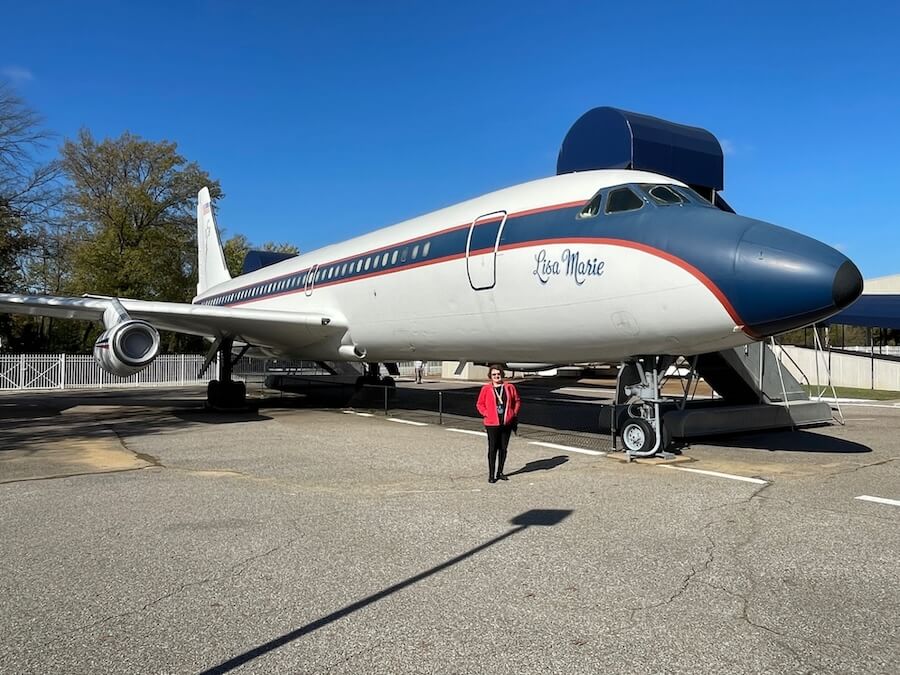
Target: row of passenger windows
329,272
623,199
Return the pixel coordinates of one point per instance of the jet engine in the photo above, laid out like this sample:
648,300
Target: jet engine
127,347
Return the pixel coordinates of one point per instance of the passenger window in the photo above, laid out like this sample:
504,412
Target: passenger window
368,263
415,252
426,248
359,265
404,253
593,207
394,258
384,258
623,199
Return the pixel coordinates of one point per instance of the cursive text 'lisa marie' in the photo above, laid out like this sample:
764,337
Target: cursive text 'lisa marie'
569,264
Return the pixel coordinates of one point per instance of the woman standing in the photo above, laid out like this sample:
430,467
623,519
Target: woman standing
499,404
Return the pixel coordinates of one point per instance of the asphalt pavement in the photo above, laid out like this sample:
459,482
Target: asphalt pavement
142,533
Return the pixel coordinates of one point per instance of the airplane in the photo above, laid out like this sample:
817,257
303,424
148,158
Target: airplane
606,265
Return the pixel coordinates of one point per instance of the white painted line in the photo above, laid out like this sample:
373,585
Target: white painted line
353,412
568,448
879,500
892,406
467,431
757,481
399,421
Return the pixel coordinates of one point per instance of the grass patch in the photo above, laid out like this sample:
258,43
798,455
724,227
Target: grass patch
852,392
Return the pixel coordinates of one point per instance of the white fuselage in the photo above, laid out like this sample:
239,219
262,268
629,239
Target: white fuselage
545,300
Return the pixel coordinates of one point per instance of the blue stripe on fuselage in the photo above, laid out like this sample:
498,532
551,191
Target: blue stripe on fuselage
704,239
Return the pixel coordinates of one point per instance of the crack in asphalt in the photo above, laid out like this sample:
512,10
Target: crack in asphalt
859,467
233,571
72,475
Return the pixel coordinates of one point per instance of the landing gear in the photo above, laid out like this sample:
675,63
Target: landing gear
638,436
373,378
224,393
638,392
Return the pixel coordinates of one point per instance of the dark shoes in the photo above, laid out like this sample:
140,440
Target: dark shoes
492,480
502,476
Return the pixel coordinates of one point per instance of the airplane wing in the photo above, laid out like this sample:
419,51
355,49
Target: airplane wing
260,327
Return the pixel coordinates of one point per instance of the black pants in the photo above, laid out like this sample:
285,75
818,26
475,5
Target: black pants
498,440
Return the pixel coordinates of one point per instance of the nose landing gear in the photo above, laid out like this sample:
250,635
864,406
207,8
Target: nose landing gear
638,392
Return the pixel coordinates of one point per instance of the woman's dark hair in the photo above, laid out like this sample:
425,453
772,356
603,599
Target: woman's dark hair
496,366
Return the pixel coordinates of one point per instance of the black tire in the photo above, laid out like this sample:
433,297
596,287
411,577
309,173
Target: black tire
213,393
237,394
638,436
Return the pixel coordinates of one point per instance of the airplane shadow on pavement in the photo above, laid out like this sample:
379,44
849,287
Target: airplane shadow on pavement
787,441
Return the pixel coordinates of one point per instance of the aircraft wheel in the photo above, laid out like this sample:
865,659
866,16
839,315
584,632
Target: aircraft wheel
241,389
638,435
213,392
237,394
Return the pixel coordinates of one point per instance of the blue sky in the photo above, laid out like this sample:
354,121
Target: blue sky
325,120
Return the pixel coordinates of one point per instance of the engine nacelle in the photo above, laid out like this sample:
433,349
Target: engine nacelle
127,347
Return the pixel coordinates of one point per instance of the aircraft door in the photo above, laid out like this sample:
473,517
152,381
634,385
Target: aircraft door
311,279
481,249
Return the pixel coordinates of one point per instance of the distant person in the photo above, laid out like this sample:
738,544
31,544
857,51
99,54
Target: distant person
499,404
420,370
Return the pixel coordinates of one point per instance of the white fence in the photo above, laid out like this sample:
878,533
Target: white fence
847,370
81,371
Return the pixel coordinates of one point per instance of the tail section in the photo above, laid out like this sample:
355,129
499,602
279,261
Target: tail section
211,266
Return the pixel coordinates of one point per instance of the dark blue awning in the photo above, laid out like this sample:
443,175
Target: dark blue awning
257,259
609,138
871,311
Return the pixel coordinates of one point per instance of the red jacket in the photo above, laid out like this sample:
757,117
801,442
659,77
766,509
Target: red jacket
487,404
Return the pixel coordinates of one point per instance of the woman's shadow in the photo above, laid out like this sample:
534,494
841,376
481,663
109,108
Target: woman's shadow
541,465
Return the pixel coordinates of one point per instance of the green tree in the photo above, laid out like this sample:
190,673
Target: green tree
237,247
132,203
28,197
135,203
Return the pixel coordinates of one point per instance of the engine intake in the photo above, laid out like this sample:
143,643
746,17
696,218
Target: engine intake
127,347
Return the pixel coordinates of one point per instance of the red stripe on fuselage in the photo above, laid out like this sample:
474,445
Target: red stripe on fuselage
659,253
624,243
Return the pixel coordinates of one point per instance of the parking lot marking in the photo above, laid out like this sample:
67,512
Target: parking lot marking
556,446
467,431
399,421
758,481
879,500
353,412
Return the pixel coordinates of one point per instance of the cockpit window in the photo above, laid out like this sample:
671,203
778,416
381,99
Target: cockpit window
623,199
692,195
663,194
592,208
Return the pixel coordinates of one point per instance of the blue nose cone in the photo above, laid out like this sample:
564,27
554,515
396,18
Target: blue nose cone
788,280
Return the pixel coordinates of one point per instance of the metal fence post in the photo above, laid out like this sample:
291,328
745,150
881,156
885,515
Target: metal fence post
62,371
385,401
441,408
22,371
